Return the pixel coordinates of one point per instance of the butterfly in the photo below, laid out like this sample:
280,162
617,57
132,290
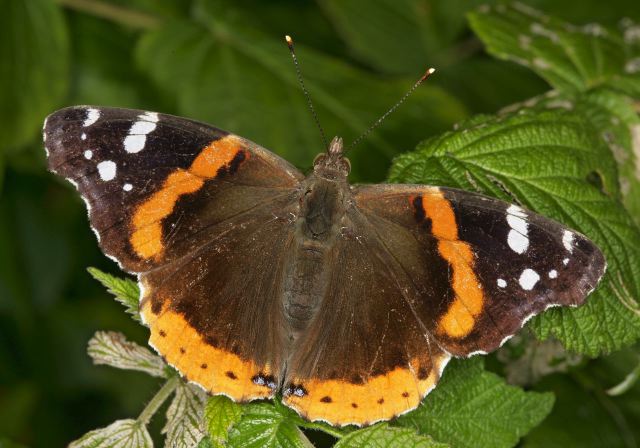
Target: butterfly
256,280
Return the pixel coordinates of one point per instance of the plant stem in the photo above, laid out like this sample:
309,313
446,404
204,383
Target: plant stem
626,384
324,428
157,400
109,11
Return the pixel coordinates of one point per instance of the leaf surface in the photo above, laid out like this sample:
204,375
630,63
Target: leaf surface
113,349
475,408
547,161
119,434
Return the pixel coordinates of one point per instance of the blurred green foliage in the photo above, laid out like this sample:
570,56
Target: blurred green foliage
225,62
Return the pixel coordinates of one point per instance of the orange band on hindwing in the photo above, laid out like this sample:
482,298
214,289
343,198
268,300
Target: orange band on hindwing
382,397
217,370
468,303
146,238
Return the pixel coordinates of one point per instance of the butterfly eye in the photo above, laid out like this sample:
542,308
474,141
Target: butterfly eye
319,159
346,165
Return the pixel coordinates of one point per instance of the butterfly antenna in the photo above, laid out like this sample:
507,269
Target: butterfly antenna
379,121
306,92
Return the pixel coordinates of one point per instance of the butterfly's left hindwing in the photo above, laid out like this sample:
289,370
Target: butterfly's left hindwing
504,264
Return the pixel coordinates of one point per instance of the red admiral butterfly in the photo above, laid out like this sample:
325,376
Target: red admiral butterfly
256,279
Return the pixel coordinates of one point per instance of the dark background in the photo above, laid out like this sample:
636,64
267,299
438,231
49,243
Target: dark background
49,306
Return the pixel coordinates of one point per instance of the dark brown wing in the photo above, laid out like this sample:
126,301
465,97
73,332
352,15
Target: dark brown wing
504,264
203,217
421,273
216,315
153,183
366,356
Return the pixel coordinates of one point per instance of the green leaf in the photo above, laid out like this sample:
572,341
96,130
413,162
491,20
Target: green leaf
474,408
6,443
424,31
220,414
385,436
223,72
97,43
615,117
612,114
548,160
569,57
34,69
112,348
119,434
584,416
125,290
264,425
574,60
184,427
527,360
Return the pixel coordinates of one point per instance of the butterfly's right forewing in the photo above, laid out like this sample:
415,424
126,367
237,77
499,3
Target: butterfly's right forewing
204,218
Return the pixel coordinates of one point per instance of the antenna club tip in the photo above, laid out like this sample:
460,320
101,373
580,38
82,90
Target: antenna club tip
288,39
428,73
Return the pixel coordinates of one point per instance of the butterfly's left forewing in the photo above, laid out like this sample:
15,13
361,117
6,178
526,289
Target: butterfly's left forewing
504,264
153,182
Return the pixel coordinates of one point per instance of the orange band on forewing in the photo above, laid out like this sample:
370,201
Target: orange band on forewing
146,238
381,398
459,319
217,370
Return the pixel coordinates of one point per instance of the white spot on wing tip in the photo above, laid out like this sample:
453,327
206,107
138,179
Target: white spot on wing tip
518,242
567,240
516,211
553,273
528,279
136,140
502,283
127,187
151,116
517,238
142,127
565,261
88,154
134,143
83,136
107,170
92,117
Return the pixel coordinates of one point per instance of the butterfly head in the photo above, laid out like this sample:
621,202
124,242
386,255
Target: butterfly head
332,165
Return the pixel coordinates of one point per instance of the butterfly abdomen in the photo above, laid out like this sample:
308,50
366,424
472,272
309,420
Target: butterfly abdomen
322,208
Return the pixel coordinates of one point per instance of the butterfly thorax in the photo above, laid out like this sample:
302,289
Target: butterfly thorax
323,202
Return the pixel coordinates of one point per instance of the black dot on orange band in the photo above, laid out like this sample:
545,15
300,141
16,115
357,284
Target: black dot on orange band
326,399
357,379
381,400
162,333
354,405
418,209
156,307
182,350
203,366
231,375
405,394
